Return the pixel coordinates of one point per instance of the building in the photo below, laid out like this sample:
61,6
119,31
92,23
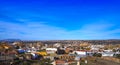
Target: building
51,50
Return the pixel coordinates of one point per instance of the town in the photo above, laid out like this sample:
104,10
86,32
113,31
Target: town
59,32
60,52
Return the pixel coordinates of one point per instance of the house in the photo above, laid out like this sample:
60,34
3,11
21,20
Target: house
57,45
32,49
80,53
43,53
108,54
96,47
51,50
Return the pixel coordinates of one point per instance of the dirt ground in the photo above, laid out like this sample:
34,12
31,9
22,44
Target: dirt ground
102,62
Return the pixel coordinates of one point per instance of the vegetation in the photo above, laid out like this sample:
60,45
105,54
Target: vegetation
97,55
33,62
117,56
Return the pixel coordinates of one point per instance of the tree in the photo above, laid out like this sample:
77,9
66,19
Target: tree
76,53
59,51
97,55
117,56
114,50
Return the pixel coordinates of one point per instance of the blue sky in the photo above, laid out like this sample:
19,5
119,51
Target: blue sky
59,19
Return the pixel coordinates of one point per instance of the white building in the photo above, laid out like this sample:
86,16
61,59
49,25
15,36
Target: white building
96,47
108,54
80,53
51,50
33,50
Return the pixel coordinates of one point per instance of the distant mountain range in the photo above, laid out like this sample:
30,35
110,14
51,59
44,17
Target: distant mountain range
113,39
107,41
10,40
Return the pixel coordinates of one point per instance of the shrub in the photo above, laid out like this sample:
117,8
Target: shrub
97,54
117,56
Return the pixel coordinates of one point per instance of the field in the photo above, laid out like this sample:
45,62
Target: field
99,61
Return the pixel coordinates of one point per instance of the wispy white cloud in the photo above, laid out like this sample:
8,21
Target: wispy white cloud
36,30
